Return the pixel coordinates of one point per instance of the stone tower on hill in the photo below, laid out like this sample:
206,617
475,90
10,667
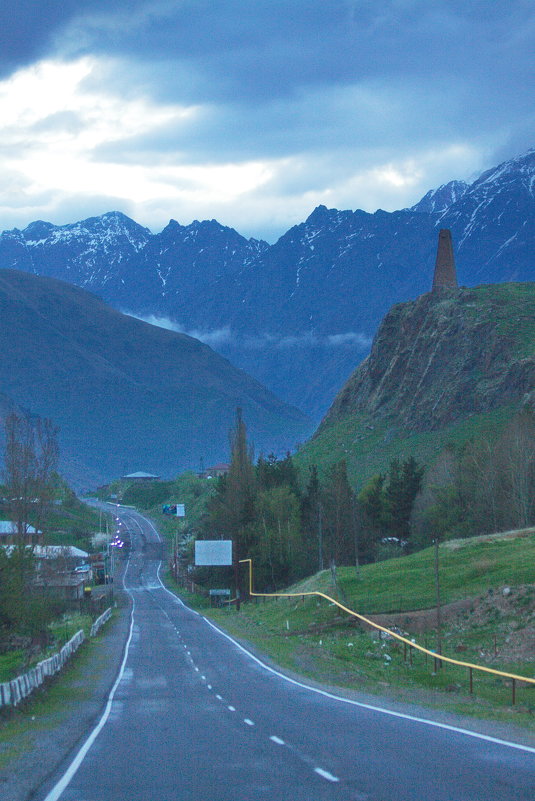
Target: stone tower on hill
445,276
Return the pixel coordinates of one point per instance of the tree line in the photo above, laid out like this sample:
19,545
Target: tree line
291,531
293,525
482,486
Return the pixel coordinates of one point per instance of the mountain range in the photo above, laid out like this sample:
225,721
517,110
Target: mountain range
298,315
126,395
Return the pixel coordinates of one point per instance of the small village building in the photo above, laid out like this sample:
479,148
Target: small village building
9,534
64,557
66,586
140,476
216,471
62,571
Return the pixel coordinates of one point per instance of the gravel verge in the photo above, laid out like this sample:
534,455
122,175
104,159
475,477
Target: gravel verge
43,732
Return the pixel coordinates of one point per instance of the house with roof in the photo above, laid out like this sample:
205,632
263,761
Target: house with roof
216,471
62,571
9,534
140,476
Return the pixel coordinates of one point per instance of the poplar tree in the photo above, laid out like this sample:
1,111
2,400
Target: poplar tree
404,482
339,515
240,493
30,460
312,521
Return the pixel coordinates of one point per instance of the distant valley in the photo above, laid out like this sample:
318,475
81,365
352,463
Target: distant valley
126,395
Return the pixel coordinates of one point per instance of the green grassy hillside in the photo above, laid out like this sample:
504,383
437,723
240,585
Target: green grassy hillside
512,308
442,370
468,568
369,445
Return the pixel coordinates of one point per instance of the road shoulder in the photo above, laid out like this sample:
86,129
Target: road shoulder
415,704
39,736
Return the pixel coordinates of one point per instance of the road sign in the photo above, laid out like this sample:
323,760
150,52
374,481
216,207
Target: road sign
210,553
175,509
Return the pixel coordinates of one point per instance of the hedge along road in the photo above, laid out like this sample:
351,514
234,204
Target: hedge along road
194,716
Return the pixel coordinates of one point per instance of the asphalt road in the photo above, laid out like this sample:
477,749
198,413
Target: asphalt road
194,717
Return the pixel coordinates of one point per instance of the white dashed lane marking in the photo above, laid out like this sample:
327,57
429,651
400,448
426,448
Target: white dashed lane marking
326,775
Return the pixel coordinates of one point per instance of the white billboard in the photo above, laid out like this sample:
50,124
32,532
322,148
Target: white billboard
210,553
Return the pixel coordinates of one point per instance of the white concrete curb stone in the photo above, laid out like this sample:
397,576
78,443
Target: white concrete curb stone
14,691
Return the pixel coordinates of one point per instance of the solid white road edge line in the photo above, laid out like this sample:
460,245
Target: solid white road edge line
65,780
326,775
371,707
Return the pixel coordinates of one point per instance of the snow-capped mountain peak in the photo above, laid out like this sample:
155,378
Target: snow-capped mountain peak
327,280
438,200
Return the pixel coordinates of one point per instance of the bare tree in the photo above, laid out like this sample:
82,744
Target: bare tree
30,459
516,460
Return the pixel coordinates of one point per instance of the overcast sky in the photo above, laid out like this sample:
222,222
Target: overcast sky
253,112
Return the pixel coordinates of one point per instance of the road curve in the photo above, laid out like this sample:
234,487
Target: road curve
194,717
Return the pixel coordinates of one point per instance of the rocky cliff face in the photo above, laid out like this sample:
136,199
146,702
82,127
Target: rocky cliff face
445,356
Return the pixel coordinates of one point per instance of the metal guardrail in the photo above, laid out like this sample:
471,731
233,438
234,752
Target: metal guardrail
437,657
14,691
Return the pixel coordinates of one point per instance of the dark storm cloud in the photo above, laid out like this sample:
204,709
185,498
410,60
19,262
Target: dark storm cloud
275,76
331,90
28,27
229,49
269,47
322,120
232,53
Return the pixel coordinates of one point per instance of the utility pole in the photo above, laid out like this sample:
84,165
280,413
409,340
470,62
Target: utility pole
439,610
236,575
320,538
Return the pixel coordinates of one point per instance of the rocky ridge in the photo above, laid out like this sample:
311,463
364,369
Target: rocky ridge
445,356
